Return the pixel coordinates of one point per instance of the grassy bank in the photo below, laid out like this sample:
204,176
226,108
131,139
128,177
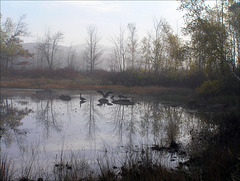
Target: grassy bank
163,93
173,94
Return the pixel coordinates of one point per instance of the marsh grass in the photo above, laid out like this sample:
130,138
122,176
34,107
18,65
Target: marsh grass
29,165
135,164
162,93
69,167
6,168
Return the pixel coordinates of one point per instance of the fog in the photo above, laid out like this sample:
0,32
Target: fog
72,18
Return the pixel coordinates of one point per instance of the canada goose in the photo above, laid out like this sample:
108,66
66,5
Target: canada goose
103,101
82,98
122,97
105,95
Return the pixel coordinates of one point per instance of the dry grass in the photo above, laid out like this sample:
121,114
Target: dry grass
83,84
172,94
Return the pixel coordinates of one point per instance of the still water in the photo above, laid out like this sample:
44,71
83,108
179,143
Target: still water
41,128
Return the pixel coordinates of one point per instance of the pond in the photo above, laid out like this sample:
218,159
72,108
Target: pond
40,129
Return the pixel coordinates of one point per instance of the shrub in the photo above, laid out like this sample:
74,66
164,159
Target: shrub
210,87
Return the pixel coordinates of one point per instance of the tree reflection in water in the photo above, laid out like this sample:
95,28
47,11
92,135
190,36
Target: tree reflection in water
10,122
91,115
118,120
157,122
123,122
48,117
166,131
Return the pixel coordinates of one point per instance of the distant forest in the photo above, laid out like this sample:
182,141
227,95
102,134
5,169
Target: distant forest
209,58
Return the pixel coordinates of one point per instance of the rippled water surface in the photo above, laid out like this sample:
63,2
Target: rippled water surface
41,128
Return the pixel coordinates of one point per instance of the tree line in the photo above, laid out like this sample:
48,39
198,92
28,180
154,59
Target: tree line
210,53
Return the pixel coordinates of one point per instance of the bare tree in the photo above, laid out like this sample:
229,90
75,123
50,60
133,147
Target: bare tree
153,48
119,50
48,47
132,44
92,52
70,58
157,44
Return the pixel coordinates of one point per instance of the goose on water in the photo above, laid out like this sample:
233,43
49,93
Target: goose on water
103,101
82,98
105,95
122,97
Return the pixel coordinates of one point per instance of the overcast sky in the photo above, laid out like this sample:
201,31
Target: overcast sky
72,17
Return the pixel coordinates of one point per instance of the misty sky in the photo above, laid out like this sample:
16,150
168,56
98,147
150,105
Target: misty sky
72,17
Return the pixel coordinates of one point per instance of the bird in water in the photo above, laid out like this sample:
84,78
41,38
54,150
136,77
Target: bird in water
122,97
104,101
105,95
82,98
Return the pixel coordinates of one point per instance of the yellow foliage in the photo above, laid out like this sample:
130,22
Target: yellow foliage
210,87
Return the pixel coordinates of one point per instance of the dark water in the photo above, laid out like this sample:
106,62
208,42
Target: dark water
40,129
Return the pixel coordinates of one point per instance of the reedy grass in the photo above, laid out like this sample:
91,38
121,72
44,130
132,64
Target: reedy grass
6,168
133,165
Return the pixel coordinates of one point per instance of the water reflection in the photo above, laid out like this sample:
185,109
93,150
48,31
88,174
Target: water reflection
11,117
47,116
91,115
81,102
169,132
